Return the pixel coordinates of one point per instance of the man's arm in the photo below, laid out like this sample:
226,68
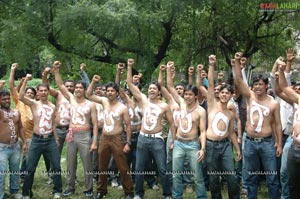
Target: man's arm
190,75
199,81
278,129
12,88
22,97
2,82
242,86
165,93
234,140
89,92
171,123
45,74
170,83
210,94
290,57
128,130
22,134
83,74
292,95
59,81
202,138
134,89
95,127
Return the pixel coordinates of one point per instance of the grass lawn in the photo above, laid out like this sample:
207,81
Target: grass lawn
42,190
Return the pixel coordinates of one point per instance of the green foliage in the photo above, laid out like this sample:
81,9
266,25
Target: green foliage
102,33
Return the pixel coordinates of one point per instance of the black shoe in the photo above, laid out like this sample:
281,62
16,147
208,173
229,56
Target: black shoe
68,192
100,195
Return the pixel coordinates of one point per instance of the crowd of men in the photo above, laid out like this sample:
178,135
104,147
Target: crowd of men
216,132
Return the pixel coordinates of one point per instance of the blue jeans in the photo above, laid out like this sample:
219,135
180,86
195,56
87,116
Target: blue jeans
9,155
47,147
285,194
156,147
220,161
181,152
293,167
265,152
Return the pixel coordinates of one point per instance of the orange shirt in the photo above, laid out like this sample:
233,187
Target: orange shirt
26,117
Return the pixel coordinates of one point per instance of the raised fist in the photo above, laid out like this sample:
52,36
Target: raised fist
96,78
232,63
200,67
28,76
170,64
238,56
243,61
56,65
191,70
212,60
162,67
14,65
130,62
82,66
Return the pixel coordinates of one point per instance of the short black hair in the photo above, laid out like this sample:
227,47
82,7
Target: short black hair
113,85
32,89
155,83
192,88
82,83
43,85
4,92
228,87
262,77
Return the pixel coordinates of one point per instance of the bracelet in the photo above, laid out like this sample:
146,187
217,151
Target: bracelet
128,142
203,149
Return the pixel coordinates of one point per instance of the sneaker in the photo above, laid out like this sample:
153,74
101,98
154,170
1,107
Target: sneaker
168,197
100,195
68,192
129,196
137,197
26,197
155,187
17,196
120,187
56,195
189,189
88,193
49,181
114,183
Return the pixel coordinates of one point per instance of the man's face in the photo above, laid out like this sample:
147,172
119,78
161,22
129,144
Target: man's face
180,90
217,91
70,86
111,93
297,89
136,79
43,93
79,90
30,94
189,97
225,95
259,87
153,91
5,101
203,73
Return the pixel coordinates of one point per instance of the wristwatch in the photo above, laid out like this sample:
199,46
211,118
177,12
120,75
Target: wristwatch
128,142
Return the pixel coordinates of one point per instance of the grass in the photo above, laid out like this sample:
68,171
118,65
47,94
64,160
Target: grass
42,190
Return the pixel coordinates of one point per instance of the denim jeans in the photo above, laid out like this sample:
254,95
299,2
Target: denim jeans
293,167
285,194
181,152
9,155
264,152
187,179
48,148
220,161
156,147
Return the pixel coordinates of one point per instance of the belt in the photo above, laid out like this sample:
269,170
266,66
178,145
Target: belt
218,141
267,139
154,135
45,136
64,128
80,129
9,146
187,140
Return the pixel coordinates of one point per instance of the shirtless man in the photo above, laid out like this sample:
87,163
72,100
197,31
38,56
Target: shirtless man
63,109
150,139
44,139
219,154
111,140
262,115
11,129
83,113
187,144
